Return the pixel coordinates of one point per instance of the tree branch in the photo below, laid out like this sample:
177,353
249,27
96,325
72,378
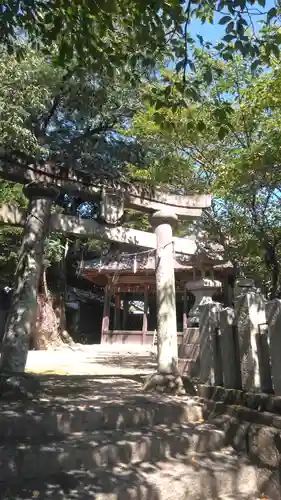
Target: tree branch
188,9
56,102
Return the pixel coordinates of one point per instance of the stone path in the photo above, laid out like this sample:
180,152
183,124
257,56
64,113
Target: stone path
100,437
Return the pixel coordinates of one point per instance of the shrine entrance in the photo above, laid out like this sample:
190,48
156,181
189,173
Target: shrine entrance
130,305
160,266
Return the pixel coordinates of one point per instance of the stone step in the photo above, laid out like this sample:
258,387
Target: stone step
189,366
106,449
197,476
49,418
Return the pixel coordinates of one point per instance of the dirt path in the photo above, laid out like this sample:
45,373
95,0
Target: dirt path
92,360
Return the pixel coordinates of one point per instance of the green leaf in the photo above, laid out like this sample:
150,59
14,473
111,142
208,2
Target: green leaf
230,27
201,126
227,55
168,91
255,64
240,3
262,2
224,19
180,65
222,133
276,51
208,77
228,38
271,14
240,27
191,65
239,46
221,5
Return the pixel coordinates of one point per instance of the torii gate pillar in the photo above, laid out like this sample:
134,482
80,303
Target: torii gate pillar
165,292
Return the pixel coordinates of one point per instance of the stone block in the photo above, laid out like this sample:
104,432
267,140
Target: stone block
273,317
210,354
190,351
191,336
229,349
250,314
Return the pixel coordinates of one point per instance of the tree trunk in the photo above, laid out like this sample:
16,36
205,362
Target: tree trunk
46,333
20,320
59,308
50,330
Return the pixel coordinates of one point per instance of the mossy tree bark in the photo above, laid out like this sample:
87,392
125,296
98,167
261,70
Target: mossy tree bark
21,318
45,333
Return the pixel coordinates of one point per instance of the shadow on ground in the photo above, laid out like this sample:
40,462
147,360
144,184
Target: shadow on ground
101,438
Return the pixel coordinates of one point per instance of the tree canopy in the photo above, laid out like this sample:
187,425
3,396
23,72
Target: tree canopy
227,143
122,89
126,33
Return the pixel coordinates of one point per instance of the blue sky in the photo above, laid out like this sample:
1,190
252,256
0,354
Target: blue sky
214,32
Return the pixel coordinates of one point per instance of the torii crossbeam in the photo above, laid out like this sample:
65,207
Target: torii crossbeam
45,183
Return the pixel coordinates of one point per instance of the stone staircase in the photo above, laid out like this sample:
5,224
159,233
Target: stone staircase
102,438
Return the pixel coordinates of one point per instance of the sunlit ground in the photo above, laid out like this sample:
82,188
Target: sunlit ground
92,360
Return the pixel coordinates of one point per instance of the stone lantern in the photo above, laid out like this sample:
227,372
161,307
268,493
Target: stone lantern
111,206
203,291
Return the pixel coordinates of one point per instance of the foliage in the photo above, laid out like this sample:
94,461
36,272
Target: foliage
69,117
222,138
228,143
125,33
54,249
10,237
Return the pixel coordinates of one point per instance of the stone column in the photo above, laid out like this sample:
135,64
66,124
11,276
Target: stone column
229,349
273,316
165,292
203,290
209,338
250,314
22,314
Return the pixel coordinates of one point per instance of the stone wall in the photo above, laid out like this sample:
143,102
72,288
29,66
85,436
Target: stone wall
240,347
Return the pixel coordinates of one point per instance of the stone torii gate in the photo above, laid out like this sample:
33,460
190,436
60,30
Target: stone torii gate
42,187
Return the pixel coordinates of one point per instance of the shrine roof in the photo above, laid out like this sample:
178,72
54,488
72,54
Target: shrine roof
128,262
113,262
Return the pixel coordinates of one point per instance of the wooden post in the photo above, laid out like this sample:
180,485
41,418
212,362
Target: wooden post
184,318
125,312
106,312
144,319
116,325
